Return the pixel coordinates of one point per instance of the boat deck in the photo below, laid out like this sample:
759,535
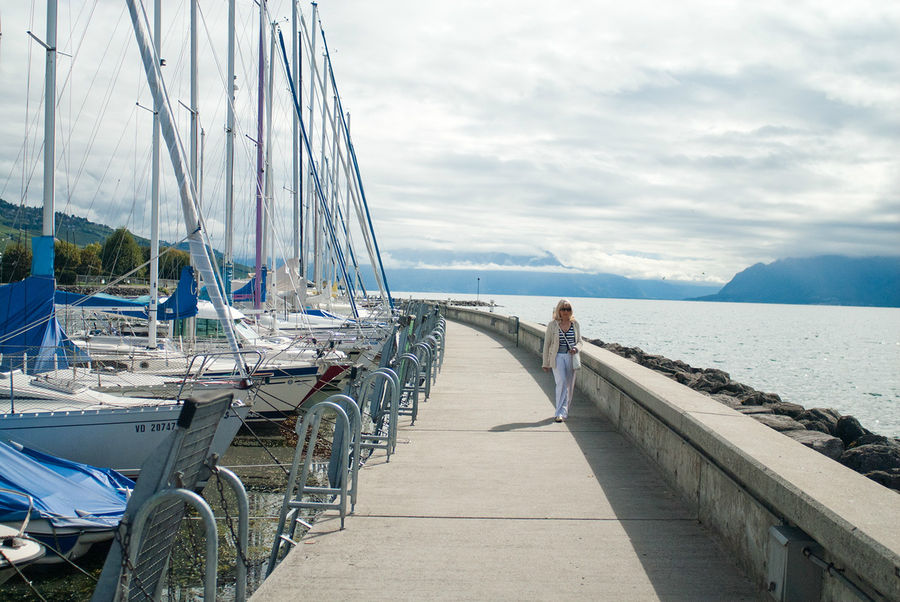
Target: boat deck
487,498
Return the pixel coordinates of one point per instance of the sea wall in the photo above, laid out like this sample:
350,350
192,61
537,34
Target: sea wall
738,476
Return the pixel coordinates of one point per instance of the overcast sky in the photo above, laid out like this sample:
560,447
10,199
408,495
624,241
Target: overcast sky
685,140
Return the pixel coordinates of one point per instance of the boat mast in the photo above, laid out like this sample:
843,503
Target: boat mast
269,239
49,228
257,285
191,323
154,191
295,140
42,246
317,270
229,161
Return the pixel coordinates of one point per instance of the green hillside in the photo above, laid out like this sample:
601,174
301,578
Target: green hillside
24,222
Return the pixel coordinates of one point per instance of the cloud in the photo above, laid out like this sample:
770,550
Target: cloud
647,139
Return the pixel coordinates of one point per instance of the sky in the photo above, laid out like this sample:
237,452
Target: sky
648,139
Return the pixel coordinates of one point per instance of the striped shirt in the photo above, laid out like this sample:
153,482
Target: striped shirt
566,339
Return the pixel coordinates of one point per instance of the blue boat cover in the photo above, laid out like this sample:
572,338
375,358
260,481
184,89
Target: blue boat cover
67,494
183,304
245,293
28,325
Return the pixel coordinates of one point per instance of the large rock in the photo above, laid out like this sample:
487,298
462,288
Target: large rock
753,410
758,398
825,416
778,422
712,381
872,457
888,478
787,408
822,443
848,429
872,438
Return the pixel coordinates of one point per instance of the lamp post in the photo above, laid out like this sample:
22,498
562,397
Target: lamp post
478,291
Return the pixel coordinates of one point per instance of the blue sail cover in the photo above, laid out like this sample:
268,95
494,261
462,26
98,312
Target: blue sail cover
183,304
67,494
103,302
245,293
28,325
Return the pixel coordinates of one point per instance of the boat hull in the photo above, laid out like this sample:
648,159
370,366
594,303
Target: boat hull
119,438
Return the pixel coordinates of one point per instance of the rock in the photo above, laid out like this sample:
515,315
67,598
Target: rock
826,416
712,381
870,438
728,400
822,443
778,422
872,457
815,425
686,379
888,478
848,429
758,398
788,409
736,389
753,410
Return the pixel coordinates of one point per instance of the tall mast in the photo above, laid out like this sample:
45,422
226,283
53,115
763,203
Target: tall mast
154,191
295,140
49,228
260,105
269,232
42,258
229,161
315,210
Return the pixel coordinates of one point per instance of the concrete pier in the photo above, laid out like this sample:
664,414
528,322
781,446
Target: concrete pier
488,499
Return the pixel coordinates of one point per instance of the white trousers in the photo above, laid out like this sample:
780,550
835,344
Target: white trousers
564,375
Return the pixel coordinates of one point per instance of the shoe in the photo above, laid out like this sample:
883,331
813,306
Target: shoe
558,419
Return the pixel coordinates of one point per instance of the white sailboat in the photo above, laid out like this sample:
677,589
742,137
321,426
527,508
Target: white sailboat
75,422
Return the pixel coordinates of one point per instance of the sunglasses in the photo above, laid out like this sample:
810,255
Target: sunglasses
565,309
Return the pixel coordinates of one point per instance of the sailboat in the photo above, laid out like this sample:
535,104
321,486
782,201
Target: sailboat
75,422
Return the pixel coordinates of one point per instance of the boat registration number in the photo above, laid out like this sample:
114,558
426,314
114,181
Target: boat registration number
155,427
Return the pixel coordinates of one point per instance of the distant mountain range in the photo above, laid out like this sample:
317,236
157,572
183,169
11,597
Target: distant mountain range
824,280
533,282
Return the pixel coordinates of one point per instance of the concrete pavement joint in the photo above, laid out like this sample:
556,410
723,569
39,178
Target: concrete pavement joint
529,518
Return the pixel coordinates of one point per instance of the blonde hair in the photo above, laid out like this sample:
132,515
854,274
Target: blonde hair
559,304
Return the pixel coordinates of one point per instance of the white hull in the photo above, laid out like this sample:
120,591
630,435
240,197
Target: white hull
17,552
120,438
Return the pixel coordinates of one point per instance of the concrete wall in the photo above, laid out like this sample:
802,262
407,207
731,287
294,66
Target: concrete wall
739,476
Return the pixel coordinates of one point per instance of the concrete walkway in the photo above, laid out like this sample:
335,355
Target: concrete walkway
488,499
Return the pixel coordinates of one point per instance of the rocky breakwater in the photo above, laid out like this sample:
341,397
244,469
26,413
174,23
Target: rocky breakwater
825,430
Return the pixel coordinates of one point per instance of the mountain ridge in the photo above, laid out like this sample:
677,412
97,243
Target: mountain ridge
820,280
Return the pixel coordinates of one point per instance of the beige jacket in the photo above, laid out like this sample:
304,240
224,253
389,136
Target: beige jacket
551,341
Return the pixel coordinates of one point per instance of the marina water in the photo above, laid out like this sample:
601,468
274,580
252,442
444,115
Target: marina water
846,358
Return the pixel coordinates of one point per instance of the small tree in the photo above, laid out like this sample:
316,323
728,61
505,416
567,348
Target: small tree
66,261
90,260
171,262
16,262
120,254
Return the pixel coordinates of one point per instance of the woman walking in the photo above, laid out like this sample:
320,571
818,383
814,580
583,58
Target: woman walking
561,342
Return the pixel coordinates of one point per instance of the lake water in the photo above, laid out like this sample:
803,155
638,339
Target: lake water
846,358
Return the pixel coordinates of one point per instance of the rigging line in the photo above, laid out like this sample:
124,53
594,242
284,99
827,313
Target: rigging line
352,152
95,129
326,212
